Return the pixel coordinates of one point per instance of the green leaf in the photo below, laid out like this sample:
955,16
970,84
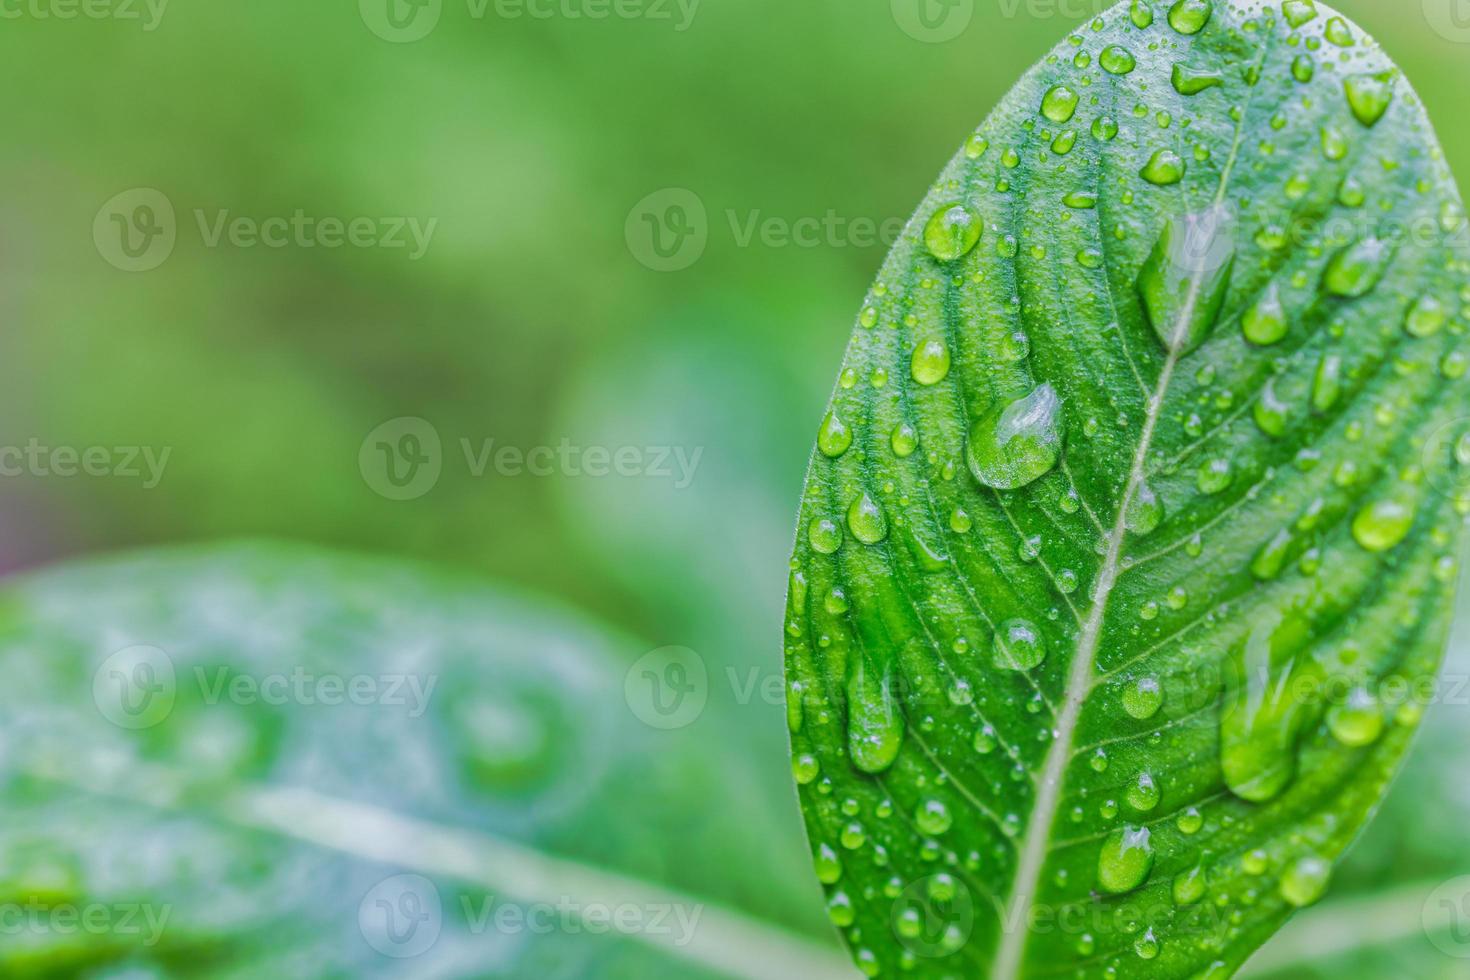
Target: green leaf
229,756
1147,507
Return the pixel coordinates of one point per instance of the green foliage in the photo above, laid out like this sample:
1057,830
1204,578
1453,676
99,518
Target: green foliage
1137,507
243,749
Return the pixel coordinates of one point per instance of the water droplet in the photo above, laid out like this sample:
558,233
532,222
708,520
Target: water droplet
1268,703
960,522
1271,559
853,836
1188,81
824,535
828,865
1383,524
952,232
1165,167
1215,476
834,437
1019,443
805,768
1327,384
1099,761
840,910
1104,128
836,602
1142,14
1146,946
933,818
1271,412
1190,16
1059,104
1189,887
1339,33
930,362
904,440
1298,12
1189,822
1143,698
985,740
875,726
1145,511
1334,144
1306,880
1125,861
1265,322
1356,270
1256,862
1427,317
1143,793
1358,721
1018,645
1369,95
1084,200
1303,68
1117,60
866,521
976,146
1184,281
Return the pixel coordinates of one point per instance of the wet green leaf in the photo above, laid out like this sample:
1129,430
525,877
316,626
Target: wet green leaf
1189,458
266,760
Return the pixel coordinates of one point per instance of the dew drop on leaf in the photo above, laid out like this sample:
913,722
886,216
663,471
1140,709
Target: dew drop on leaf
834,437
930,362
824,535
1019,443
1426,317
904,440
1018,645
1188,81
1267,705
1190,16
1356,270
1383,524
1143,698
952,232
1298,12
1265,322
1369,96
1059,104
866,521
1358,721
1125,861
1164,168
1306,880
933,818
875,726
1117,60
1184,281
1145,511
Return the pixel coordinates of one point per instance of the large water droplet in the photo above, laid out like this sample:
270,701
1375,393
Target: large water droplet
1369,96
825,535
1117,60
1189,887
1143,698
1270,561
1271,412
1357,269
1141,14
904,440
875,726
1143,793
1125,861
1383,524
866,521
1426,318
1358,721
1265,322
1339,33
930,362
1184,281
1327,383
1298,12
1019,645
1269,700
1164,168
952,232
1190,16
1019,443
933,818
1189,81
834,437
1059,104
1306,880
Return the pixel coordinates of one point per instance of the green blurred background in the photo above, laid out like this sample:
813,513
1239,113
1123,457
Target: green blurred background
540,311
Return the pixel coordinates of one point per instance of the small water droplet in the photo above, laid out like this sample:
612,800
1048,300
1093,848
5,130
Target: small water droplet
1356,270
1143,698
933,818
1215,476
1339,33
1190,16
1117,60
825,535
1189,81
1298,12
1143,793
1189,822
1303,68
1141,14
828,865
1189,887
1306,880
1383,524
1426,317
1358,721
1104,128
904,440
1145,511
1327,384
866,521
1059,104
1270,560
1146,946
1268,703
1164,168
1265,322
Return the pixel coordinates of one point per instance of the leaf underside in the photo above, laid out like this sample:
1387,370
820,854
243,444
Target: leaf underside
1135,515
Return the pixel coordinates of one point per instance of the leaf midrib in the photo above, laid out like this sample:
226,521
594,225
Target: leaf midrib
1035,849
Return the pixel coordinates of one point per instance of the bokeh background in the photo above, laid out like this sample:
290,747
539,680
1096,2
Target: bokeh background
648,231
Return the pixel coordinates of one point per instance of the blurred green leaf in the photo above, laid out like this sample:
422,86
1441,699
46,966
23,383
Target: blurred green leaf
1137,507
268,760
